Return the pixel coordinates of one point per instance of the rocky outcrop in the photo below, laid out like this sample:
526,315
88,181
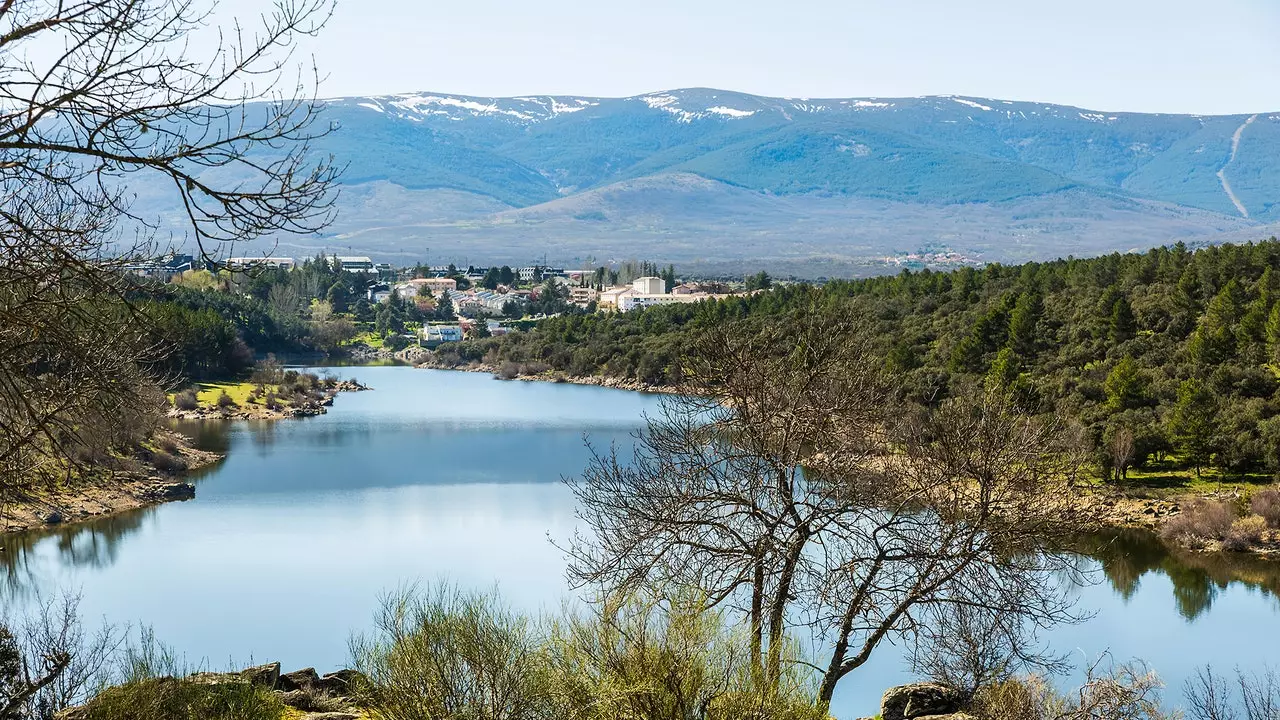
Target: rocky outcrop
921,700
266,676
314,696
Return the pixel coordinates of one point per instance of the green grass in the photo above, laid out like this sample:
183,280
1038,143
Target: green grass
368,337
207,393
1168,477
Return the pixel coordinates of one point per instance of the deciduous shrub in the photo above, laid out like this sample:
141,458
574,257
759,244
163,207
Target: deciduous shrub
1200,521
509,371
1244,533
1266,504
167,462
225,400
186,400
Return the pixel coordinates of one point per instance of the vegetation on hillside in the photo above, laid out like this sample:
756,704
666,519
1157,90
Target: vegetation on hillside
1168,355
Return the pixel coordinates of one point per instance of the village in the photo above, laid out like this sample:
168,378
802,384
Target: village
455,303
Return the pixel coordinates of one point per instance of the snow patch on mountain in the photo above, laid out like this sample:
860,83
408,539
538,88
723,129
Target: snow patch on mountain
731,112
971,104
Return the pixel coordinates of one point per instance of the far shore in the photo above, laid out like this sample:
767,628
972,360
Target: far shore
552,376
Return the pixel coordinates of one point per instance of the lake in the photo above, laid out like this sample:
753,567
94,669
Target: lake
438,474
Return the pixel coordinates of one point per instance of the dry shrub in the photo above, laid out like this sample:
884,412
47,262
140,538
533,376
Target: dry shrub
186,400
169,445
508,371
536,368
271,401
1266,504
225,401
167,462
1127,691
1245,533
1200,520
1023,698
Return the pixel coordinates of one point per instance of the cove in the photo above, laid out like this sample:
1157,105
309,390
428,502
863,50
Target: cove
434,474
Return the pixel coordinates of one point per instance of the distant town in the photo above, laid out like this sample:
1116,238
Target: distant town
452,303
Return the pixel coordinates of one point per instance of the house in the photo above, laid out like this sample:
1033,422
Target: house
412,288
612,298
583,295
434,335
650,285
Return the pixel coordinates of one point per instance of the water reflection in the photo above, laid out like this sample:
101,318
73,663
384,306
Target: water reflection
1198,578
95,544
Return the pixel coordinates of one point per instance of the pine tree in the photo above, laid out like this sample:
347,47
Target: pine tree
1123,324
1023,322
1191,425
1273,334
1124,386
1214,341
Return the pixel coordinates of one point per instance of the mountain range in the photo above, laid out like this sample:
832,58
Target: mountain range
726,181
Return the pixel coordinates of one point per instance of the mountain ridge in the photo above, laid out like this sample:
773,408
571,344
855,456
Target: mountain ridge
917,156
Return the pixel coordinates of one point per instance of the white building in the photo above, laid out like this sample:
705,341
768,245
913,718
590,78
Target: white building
241,263
437,334
354,263
634,300
650,286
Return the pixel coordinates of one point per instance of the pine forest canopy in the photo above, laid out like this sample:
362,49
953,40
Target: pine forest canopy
1178,349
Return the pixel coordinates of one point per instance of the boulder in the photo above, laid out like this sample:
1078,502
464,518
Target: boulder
52,518
262,675
303,679
952,716
918,700
296,699
169,491
342,682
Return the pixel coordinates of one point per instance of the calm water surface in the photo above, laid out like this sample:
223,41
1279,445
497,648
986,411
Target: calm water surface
436,474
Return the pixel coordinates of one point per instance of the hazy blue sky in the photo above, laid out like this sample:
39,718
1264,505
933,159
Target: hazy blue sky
1207,56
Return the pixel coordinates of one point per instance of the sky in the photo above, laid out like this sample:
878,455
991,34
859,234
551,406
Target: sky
1192,56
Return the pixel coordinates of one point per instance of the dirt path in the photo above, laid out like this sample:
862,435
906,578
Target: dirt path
1222,174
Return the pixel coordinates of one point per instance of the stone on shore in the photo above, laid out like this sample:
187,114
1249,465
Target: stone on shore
304,679
920,700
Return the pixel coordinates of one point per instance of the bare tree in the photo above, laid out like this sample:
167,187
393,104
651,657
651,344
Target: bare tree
786,484
1122,453
97,99
49,661
1211,696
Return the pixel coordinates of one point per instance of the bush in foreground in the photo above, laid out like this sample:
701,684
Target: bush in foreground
170,699
451,654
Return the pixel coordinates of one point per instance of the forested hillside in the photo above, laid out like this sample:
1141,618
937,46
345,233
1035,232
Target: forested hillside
1169,352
